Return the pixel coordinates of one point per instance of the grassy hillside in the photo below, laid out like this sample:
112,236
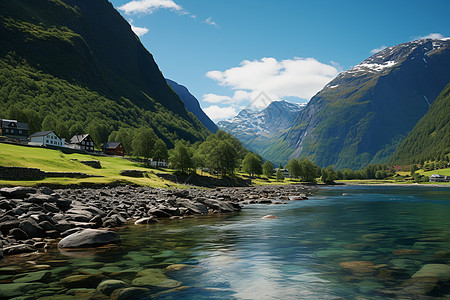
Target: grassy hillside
63,67
56,161
430,138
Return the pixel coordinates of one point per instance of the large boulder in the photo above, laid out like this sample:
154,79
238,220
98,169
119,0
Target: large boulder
89,238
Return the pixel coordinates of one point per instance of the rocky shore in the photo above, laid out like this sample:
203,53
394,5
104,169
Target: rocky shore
34,219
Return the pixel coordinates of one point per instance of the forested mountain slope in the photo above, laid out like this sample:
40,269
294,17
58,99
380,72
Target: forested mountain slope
430,138
76,66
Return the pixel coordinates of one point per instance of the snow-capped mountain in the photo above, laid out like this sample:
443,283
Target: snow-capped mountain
278,116
362,115
255,127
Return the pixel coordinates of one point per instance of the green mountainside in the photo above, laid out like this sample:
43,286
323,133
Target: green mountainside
362,115
430,138
76,66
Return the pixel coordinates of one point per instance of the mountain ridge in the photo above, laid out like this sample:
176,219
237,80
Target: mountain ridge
365,112
191,103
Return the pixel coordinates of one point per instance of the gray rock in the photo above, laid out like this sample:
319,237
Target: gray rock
220,206
18,234
18,249
89,238
51,207
40,199
146,220
31,228
63,226
46,225
17,192
6,226
63,204
6,205
97,221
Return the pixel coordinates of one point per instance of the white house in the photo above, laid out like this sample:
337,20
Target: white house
156,163
439,178
46,138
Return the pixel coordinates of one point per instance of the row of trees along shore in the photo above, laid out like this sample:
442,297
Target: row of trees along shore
223,154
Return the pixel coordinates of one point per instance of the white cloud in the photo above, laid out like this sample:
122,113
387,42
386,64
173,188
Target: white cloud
298,77
217,113
150,6
140,31
209,21
376,50
214,98
430,36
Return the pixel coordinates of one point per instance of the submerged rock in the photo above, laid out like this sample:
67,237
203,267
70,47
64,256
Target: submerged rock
129,293
154,277
10,290
89,238
108,286
438,271
82,281
33,276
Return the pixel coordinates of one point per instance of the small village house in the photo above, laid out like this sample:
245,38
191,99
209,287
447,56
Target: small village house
13,129
82,142
439,178
113,148
46,138
158,163
284,171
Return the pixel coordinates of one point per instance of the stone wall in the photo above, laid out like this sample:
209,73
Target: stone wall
18,173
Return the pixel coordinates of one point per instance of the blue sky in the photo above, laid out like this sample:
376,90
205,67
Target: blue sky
226,52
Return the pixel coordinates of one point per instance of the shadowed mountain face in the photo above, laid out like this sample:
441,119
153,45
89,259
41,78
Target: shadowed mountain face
191,103
362,115
86,47
430,138
256,129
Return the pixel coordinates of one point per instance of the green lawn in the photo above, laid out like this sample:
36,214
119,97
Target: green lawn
56,161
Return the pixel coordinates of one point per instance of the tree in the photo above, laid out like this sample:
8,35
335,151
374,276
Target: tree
308,170
280,175
268,169
252,164
160,151
181,158
143,142
294,168
329,175
413,169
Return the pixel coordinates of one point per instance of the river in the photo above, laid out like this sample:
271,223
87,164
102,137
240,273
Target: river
348,242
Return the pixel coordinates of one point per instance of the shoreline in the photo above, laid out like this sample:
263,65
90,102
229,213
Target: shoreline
35,219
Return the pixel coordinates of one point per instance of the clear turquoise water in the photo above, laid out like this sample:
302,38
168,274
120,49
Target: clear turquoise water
296,256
